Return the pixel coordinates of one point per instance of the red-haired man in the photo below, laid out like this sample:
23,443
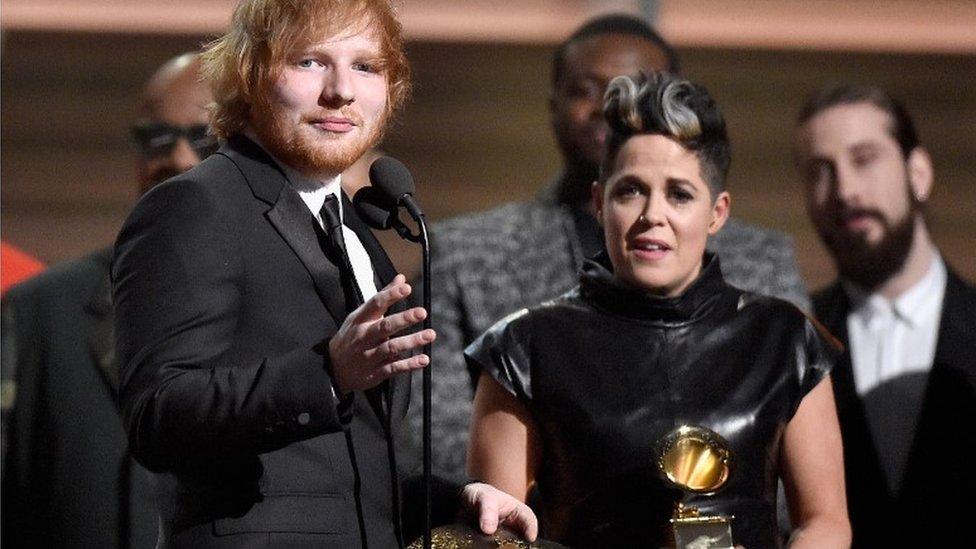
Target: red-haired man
264,373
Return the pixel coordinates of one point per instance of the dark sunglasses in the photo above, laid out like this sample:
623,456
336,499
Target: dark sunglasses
158,138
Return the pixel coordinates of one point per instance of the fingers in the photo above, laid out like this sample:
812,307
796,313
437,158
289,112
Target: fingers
523,520
375,307
487,515
392,349
492,505
476,500
387,326
405,365
362,351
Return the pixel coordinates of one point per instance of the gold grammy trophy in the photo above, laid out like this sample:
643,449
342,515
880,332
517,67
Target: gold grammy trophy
696,460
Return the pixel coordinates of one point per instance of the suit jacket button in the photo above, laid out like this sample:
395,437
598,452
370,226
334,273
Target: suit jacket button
304,418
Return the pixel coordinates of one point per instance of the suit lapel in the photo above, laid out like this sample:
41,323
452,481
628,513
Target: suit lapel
290,217
294,222
101,342
860,453
955,314
948,395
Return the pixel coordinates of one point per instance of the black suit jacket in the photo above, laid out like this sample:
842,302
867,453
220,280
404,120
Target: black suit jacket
939,482
68,480
225,304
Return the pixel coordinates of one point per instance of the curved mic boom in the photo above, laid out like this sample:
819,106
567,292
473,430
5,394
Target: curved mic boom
378,211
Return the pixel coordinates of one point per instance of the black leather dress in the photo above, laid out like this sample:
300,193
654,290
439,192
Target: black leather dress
607,371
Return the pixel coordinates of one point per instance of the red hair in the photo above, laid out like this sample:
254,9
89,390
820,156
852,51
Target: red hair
241,65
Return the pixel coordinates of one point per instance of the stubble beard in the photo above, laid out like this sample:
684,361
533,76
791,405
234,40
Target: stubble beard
311,151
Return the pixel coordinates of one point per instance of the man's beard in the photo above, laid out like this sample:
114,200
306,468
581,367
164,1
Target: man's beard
310,151
870,265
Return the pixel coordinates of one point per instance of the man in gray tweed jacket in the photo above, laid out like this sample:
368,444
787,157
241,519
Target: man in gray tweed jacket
487,265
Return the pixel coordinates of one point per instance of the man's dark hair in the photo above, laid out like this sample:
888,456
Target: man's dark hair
612,24
664,104
903,129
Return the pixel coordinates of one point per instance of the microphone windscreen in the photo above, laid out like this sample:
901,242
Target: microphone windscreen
391,177
375,208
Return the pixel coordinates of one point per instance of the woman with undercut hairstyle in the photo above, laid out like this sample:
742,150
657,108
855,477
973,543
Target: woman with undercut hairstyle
590,397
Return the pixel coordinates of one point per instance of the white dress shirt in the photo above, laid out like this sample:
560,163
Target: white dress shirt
890,338
892,345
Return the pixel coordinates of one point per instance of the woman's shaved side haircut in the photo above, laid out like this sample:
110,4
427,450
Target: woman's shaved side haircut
241,65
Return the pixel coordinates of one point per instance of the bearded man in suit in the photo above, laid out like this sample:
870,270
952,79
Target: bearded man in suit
259,322
906,387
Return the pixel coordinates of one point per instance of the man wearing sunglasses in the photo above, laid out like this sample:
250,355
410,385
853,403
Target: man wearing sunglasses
68,480
172,133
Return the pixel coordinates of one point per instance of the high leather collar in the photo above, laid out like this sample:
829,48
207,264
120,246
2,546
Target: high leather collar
599,286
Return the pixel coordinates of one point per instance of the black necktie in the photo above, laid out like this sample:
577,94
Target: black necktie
333,229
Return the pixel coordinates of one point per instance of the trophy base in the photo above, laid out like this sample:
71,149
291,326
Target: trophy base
702,532
463,536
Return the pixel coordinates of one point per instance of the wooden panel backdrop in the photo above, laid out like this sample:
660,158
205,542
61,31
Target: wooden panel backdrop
475,135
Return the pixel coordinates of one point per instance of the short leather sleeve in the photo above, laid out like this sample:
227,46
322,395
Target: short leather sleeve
503,352
815,357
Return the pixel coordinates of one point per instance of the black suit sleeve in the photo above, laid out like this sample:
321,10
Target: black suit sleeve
191,386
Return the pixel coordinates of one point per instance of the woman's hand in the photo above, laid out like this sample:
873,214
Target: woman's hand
494,508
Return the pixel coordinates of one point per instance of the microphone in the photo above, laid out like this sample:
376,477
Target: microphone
380,212
373,207
393,179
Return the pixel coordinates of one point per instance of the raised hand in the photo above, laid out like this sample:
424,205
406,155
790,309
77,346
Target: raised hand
363,351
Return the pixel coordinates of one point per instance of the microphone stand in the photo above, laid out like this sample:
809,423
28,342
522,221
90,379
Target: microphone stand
376,210
428,450
421,238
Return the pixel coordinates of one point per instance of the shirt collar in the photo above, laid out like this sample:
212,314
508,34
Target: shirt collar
926,292
314,197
